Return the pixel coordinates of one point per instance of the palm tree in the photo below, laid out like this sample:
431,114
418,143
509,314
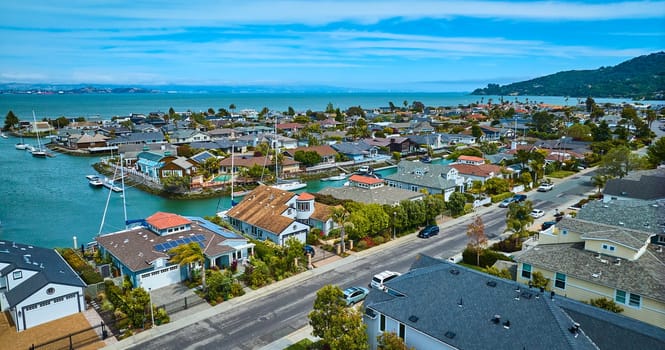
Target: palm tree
190,254
599,181
339,216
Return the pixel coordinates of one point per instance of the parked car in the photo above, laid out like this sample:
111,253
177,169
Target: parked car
380,278
353,295
537,213
429,231
545,187
308,249
506,202
547,224
519,197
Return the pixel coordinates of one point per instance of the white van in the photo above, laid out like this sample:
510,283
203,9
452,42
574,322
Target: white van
380,278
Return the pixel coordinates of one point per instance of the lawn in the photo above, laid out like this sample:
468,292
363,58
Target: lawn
560,174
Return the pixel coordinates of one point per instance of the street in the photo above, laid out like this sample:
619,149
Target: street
258,321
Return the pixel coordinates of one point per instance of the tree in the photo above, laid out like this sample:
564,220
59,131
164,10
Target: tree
355,111
580,132
518,216
434,205
10,120
338,326
602,132
476,131
539,281
308,158
523,157
339,216
599,181
590,103
619,161
543,121
390,341
656,152
477,239
456,203
190,255
606,304
232,107
496,185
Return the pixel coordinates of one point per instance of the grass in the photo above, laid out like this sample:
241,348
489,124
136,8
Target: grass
560,174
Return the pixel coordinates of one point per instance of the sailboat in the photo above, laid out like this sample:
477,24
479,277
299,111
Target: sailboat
38,152
223,214
290,185
21,145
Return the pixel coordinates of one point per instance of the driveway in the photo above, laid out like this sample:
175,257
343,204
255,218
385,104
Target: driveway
179,300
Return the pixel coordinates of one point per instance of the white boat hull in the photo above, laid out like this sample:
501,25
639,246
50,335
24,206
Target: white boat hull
289,186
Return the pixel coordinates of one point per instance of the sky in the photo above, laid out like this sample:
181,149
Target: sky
383,45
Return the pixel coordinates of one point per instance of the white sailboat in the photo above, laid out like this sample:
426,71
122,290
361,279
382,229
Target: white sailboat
223,214
290,185
21,145
38,152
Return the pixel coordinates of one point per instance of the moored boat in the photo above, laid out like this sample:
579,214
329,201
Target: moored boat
290,185
339,177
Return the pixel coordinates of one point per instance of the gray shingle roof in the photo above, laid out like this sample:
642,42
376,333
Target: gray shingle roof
433,294
381,195
643,276
422,174
639,215
645,185
49,265
633,239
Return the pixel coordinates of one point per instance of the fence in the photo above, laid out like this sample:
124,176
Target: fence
76,340
181,304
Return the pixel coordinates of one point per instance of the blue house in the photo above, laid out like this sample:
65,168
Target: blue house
141,253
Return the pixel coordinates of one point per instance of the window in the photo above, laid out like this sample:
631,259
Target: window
17,275
526,271
50,291
402,330
560,280
634,300
564,232
620,297
382,326
608,247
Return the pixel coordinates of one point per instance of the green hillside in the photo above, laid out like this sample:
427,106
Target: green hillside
640,77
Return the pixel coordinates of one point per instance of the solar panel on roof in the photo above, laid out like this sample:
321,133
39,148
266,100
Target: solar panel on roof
158,247
180,241
202,246
187,239
170,245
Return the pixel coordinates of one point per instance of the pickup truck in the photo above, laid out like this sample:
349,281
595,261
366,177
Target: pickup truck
545,187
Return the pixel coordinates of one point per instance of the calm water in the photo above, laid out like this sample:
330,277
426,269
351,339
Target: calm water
48,201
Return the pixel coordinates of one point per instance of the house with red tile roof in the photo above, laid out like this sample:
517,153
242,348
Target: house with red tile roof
474,172
142,253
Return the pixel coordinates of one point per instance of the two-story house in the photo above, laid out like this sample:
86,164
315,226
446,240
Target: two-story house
37,285
587,260
433,178
185,136
142,253
267,213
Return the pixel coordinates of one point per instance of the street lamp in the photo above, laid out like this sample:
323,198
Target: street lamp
394,222
152,315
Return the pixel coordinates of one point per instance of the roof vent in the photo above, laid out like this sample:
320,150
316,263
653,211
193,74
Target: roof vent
506,324
621,223
617,262
450,335
461,302
413,318
491,284
454,271
526,295
496,319
575,329
597,275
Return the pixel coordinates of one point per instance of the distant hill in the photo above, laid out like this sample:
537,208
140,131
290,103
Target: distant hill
638,78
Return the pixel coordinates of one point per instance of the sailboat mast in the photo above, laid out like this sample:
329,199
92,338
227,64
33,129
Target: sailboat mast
122,179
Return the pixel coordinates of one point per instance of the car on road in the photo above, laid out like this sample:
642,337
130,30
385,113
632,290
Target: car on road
545,187
537,213
519,197
429,231
308,249
506,202
353,295
380,278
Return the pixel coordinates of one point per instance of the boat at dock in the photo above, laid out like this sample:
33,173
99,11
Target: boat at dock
110,184
94,181
341,176
289,185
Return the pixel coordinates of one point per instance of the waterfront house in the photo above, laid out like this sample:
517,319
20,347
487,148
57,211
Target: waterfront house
149,163
471,160
272,214
441,305
586,260
177,166
142,253
138,138
433,178
37,285
368,190
185,136
130,152
453,139
356,151
326,153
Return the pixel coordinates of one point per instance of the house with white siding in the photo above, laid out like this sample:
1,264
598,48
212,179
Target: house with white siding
37,285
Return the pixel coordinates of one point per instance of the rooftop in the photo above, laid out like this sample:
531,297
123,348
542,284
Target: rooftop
639,215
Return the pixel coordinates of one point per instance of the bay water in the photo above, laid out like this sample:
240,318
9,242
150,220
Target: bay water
47,202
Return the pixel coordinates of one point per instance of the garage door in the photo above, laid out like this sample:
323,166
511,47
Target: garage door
50,310
160,278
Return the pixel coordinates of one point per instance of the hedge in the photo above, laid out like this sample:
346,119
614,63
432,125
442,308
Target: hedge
501,196
487,257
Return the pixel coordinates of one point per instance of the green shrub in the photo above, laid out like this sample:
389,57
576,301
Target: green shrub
606,304
361,245
87,272
487,257
499,197
508,245
378,240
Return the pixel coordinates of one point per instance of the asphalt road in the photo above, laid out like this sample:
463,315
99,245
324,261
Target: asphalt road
280,312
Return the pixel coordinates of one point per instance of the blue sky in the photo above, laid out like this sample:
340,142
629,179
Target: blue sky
382,45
